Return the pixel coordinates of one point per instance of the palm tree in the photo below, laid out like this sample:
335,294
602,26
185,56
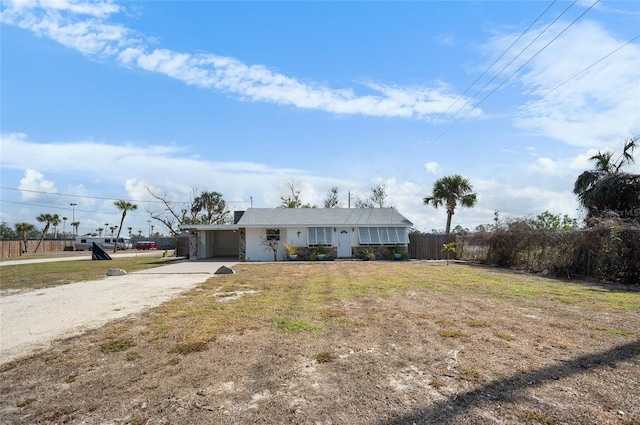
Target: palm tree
215,208
23,229
449,191
606,187
55,222
123,206
75,225
44,218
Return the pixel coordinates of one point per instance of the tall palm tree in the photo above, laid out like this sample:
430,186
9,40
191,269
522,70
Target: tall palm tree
44,218
607,187
449,191
23,229
123,206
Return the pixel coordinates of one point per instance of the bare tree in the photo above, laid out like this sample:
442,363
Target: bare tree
377,199
292,200
206,208
332,200
171,217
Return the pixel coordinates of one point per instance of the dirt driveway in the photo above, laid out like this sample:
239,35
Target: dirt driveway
33,320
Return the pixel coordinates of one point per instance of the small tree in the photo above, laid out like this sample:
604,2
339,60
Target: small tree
23,229
449,248
271,240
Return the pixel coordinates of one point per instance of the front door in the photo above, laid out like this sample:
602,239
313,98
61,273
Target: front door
344,244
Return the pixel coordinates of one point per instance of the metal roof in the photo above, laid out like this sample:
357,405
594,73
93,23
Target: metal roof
322,217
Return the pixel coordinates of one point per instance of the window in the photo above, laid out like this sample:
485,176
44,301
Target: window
273,234
320,236
382,235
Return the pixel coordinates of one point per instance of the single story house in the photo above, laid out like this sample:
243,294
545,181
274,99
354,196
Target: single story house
342,232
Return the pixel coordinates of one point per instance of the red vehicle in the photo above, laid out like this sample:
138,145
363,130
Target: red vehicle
146,245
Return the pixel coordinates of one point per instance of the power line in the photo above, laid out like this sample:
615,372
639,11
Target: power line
66,208
590,66
519,68
74,196
102,198
500,57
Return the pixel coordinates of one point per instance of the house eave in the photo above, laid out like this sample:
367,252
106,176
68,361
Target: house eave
209,227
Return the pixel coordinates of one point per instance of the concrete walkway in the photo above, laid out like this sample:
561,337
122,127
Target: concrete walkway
34,320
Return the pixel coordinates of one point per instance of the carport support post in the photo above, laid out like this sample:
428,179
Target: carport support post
193,244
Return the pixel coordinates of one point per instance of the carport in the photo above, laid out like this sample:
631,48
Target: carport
208,241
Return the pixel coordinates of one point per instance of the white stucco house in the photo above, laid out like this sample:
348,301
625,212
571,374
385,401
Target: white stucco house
343,232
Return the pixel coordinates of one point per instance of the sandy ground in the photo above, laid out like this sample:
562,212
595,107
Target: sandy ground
34,320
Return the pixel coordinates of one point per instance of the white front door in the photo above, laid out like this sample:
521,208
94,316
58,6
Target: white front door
344,244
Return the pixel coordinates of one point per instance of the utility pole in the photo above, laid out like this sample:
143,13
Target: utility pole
73,216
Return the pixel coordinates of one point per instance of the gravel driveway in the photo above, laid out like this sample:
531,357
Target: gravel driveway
34,320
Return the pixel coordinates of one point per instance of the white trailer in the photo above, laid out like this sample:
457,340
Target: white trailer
104,242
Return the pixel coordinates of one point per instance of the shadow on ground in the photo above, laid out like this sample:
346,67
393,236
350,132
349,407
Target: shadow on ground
449,410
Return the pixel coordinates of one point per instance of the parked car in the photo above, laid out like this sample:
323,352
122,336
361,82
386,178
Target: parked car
146,245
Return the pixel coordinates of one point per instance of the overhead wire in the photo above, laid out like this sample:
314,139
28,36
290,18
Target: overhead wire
518,69
100,197
500,57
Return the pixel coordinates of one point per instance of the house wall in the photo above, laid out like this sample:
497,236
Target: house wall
256,251
293,238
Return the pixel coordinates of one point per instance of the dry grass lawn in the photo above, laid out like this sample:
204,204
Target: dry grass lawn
349,343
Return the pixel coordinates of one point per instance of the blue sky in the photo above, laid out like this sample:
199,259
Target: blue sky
100,100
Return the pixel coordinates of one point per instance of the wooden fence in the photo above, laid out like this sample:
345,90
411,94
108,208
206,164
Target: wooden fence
9,249
428,247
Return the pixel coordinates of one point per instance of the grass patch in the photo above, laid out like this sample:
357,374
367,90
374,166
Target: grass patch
308,297
44,275
189,347
505,336
325,357
453,334
472,375
117,345
478,324
26,402
620,332
294,325
133,356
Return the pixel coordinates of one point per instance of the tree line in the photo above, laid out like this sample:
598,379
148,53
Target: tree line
603,192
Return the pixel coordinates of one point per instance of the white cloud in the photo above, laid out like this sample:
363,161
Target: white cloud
68,24
33,182
432,167
548,167
576,107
